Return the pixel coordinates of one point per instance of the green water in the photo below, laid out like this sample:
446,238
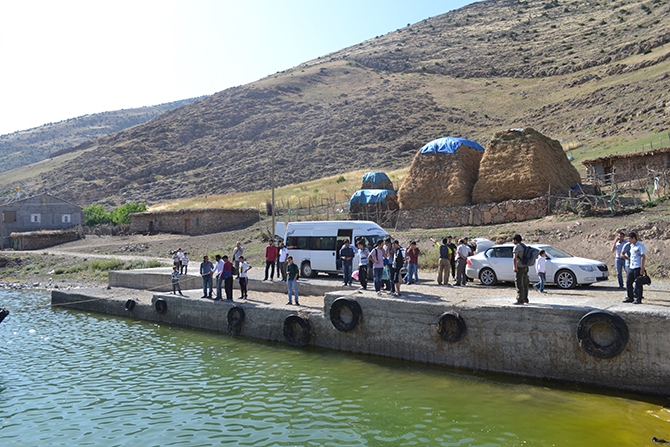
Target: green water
70,378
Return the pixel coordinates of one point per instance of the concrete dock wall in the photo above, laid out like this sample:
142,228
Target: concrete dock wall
159,280
531,341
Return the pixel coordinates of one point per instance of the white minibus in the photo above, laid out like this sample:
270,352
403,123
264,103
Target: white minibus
315,245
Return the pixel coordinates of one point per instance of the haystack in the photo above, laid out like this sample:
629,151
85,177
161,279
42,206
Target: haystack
522,164
376,180
441,178
377,205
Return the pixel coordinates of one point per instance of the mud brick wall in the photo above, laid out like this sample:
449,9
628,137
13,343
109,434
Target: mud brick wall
36,240
187,221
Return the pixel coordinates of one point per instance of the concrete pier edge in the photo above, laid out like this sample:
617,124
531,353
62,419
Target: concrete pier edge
536,341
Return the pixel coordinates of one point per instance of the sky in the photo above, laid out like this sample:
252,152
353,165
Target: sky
63,59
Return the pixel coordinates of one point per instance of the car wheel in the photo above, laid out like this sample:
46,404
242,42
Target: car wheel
488,277
306,270
565,279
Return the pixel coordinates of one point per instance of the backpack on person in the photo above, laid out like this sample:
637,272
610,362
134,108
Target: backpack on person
529,256
445,251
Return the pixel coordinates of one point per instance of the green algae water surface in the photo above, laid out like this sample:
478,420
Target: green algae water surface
70,378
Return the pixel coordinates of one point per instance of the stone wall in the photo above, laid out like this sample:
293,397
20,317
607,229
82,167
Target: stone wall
189,221
35,240
478,214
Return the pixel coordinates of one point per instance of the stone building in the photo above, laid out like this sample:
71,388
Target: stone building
41,212
626,167
193,221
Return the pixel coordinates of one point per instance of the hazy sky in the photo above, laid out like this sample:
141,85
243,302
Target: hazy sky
62,58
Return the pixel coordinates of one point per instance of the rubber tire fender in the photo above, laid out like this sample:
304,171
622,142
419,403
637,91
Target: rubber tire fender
130,305
591,346
336,314
161,306
451,327
236,316
300,337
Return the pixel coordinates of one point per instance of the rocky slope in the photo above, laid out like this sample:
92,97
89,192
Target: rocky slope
23,147
571,70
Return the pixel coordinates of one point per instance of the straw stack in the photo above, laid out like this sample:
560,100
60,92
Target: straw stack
522,164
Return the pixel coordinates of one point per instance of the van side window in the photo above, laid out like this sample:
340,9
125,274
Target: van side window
324,243
298,243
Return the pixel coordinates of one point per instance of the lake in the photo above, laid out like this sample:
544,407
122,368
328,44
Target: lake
72,378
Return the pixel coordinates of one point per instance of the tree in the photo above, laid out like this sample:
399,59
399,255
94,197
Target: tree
121,215
96,215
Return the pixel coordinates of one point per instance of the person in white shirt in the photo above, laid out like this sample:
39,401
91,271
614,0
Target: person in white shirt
541,269
184,264
244,277
218,270
283,259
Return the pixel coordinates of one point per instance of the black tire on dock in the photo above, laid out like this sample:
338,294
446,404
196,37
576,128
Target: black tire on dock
235,318
297,330
451,327
602,334
345,308
130,305
161,306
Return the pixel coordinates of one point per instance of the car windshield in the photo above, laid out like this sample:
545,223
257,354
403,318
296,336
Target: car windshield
554,252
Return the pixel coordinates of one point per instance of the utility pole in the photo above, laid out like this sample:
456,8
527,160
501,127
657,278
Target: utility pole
272,176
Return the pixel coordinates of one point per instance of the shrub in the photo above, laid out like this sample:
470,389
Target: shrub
121,215
105,264
96,215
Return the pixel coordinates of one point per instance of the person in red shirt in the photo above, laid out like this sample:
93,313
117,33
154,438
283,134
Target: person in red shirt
271,253
412,254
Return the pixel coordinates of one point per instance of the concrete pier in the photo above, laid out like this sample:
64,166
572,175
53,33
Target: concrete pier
539,340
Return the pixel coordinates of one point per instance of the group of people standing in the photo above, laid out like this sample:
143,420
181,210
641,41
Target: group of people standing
223,271
454,257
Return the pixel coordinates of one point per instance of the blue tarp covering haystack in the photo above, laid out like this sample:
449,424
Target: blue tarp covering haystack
376,180
365,196
376,200
448,145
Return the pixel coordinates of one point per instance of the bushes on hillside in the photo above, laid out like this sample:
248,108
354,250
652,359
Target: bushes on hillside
98,215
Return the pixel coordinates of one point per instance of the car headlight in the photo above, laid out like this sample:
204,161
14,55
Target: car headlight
588,268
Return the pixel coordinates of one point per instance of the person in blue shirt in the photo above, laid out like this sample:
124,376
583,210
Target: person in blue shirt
206,270
637,257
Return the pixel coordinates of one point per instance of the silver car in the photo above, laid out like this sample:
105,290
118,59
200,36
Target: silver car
563,269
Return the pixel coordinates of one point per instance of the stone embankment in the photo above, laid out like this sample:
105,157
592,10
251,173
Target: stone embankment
582,336
478,214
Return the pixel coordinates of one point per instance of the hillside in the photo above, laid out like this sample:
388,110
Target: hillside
24,147
575,71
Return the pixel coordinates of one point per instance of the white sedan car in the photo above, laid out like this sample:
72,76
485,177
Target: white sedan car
563,269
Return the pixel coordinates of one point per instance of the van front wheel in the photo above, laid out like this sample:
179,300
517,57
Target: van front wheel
306,270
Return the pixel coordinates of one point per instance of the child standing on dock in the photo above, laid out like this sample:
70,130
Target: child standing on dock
175,281
244,277
541,270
